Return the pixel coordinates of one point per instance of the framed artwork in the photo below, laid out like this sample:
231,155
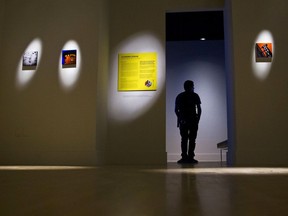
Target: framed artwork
30,60
69,58
263,52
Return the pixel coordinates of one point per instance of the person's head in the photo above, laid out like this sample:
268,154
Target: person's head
188,85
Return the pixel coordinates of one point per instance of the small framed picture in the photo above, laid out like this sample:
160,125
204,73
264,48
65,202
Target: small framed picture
30,60
263,52
69,58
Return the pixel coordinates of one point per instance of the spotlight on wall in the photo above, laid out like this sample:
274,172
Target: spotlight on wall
129,105
69,64
28,63
262,69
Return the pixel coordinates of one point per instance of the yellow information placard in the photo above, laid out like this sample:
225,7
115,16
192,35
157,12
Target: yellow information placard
137,71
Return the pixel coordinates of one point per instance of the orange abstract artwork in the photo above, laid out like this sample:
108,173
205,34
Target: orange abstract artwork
69,57
263,52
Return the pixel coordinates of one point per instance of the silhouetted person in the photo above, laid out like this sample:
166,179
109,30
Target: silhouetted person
188,111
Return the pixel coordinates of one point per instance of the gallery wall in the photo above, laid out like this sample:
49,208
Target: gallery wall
47,119
48,115
137,120
204,63
260,89
2,9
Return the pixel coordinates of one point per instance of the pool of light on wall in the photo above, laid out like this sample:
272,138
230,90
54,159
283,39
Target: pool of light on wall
262,69
126,106
69,75
26,73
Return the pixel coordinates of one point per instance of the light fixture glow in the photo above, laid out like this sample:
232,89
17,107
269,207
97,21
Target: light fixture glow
202,39
69,75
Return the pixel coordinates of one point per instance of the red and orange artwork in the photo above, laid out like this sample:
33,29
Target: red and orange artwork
263,52
264,49
69,57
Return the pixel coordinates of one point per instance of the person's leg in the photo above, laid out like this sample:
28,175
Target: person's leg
184,140
192,140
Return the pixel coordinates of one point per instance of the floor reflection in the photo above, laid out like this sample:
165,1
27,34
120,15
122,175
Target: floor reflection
203,189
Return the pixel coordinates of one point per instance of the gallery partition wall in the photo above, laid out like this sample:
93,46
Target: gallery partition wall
195,51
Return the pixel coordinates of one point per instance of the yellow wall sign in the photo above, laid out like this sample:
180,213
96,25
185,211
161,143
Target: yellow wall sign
137,71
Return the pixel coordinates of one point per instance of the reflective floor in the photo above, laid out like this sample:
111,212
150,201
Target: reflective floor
173,190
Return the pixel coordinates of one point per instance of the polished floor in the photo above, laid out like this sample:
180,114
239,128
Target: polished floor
172,190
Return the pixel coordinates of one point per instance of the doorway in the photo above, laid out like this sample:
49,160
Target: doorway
195,50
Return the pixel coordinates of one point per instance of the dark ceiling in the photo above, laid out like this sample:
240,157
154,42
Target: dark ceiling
185,26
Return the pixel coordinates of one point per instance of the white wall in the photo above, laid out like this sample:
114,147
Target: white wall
204,63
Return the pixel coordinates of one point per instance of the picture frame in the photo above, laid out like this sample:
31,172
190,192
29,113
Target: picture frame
30,60
263,52
69,58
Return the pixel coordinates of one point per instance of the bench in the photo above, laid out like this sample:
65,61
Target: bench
222,146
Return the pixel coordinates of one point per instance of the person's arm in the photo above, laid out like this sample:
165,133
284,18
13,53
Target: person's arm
177,112
176,109
199,111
